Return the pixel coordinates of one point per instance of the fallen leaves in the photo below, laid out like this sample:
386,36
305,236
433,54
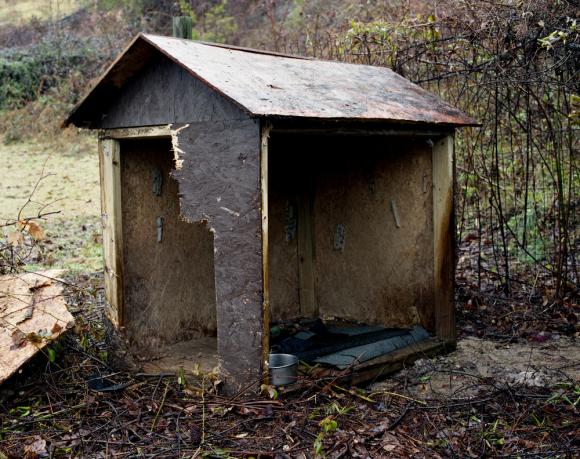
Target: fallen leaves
32,228
15,238
18,339
36,449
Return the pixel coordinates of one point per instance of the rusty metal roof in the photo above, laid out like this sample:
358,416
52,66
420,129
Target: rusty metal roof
274,85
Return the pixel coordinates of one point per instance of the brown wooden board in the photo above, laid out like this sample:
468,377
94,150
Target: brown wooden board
283,234
111,221
169,284
306,243
190,356
380,367
271,85
265,128
32,313
219,183
444,237
384,272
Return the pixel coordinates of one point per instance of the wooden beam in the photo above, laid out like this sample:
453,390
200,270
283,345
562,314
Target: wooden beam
137,132
362,132
382,366
265,133
305,239
444,238
110,173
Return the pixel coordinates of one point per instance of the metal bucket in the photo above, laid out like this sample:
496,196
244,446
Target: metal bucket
283,369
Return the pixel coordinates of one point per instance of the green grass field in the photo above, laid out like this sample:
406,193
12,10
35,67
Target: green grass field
18,11
70,186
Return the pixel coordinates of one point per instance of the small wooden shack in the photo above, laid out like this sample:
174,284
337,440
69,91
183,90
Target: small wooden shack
243,188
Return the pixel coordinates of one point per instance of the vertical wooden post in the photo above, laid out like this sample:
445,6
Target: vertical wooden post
444,238
305,239
110,172
183,27
265,133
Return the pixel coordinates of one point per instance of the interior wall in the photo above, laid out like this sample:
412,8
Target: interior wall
382,272
169,285
285,175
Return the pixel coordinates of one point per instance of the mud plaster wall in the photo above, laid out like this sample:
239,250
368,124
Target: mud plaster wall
165,93
384,273
219,182
169,285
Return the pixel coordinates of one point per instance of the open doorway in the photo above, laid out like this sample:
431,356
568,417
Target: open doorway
350,246
168,270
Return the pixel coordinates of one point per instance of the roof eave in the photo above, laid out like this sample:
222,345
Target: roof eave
462,122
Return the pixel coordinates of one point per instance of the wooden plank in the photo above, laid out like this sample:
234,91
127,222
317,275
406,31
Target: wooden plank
384,365
362,130
305,238
136,133
110,171
29,303
283,231
220,183
165,93
444,238
265,133
383,274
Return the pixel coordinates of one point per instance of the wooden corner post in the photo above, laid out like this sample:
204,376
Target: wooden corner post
444,238
264,137
110,174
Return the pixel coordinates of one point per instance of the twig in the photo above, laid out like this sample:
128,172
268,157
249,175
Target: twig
160,407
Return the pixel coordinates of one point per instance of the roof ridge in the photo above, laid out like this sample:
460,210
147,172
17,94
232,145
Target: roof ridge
236,48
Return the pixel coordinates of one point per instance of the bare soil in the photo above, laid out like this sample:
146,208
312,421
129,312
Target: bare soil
458,375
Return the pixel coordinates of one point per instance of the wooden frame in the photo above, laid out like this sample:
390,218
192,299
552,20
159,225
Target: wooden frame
136,132
443,245
443,170
264,137
444,238
111,210
110,173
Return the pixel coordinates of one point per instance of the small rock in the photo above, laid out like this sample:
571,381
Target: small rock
529,379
